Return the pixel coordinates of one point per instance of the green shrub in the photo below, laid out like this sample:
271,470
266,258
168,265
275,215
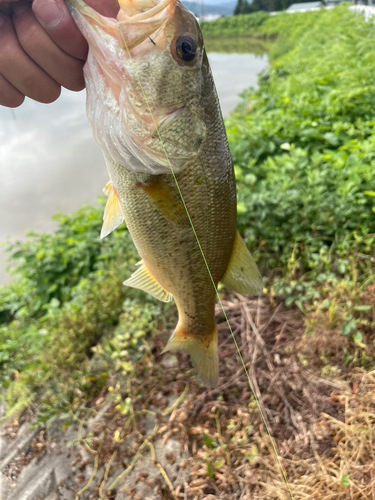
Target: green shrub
243,24
49,266
67,293
261,25
304,149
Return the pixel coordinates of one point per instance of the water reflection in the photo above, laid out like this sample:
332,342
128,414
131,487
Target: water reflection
233,73
49,160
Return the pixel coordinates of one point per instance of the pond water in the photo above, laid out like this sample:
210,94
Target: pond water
49,161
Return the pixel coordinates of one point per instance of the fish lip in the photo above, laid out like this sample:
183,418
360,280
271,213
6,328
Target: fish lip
84,9
146,22
161,6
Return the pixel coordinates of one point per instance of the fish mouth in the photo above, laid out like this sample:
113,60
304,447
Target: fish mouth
136,10
141,10
135,21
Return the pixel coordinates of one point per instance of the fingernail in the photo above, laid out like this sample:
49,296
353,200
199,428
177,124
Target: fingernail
48,12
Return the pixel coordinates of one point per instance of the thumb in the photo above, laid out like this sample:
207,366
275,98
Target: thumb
55,18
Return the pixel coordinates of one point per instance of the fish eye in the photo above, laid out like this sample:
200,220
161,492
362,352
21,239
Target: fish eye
186,48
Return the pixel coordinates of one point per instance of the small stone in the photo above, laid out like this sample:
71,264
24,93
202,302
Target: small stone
169,361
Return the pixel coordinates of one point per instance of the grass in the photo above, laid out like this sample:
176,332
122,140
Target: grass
260,25
234,26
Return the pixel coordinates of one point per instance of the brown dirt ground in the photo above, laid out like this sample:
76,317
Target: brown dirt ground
322,427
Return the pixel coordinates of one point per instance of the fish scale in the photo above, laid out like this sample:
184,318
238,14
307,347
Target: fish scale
184,255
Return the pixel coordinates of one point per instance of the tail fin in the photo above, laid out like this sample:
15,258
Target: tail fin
202,350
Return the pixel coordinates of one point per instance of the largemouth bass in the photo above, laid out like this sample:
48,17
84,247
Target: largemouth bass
153,109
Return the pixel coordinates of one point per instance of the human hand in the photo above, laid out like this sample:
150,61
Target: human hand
41,49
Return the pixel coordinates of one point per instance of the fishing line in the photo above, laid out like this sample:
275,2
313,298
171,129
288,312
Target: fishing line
206,264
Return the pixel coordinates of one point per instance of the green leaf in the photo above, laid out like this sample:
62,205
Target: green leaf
362,308
241,208
252,454
357,337
349,327
210,470
209,441
345,480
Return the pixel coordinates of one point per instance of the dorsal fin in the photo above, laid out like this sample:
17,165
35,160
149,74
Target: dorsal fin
113,215
242,275
144,280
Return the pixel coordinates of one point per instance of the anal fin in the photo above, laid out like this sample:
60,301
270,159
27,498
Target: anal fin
242,275
113,215
144,280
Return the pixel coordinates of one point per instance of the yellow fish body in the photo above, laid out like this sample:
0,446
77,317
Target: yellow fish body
153,108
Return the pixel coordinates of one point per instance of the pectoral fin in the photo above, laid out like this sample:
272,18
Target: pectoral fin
113,215
107,188
143,279
242,275
165,201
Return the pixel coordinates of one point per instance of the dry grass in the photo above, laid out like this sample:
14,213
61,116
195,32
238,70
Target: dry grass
323,428
322,422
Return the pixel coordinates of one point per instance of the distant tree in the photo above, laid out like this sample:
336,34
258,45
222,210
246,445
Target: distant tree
242,7
238,7
267,5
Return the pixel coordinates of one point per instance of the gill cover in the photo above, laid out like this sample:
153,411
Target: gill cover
136,90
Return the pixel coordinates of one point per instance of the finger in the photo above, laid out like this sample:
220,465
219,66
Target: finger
9,96
6,6
64,69
56,20
17,67
107,8
54,16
